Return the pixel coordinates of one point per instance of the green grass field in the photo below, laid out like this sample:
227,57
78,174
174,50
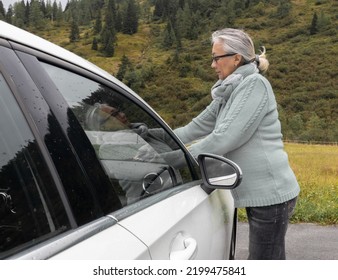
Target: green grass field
316,168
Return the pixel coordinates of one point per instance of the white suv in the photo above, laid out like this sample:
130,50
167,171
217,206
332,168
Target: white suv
89,171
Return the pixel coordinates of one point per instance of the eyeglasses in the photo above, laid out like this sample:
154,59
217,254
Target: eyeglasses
113,113
218,57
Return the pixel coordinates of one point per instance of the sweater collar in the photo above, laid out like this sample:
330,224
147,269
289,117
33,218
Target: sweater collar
222,89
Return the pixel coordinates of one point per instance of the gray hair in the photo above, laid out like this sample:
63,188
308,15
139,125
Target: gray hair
237,41
93,119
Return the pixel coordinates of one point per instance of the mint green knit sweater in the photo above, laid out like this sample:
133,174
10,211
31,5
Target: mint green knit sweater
245,128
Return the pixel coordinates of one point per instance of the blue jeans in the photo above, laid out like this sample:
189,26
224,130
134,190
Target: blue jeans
267,229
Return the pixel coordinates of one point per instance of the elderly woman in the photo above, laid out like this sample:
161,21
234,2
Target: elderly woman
241,123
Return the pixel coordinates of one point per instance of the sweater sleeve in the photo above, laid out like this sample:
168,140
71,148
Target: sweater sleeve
200,126
240,120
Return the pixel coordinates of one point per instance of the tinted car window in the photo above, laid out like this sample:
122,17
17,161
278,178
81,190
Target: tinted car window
137,154
30,206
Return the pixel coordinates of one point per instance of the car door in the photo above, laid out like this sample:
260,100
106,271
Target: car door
162,203
46,202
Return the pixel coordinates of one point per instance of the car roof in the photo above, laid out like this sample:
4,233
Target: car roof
15,34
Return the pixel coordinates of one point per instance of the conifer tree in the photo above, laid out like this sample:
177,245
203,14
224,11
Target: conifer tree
84,12
2,10
108,34
19,14
112,8
118,21
36,16
123,67
49,11
74,31
95,44
96,5
168,36
58,14
314,27
130,21
98,23
9,14
26,20
159,9
54,10
43,8
108,43
192,32
183,20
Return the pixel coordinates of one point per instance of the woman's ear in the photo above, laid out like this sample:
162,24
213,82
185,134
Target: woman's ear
238,59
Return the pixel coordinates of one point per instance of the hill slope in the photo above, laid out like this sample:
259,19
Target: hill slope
176,81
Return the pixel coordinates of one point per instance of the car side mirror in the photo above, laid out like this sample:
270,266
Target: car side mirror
219,172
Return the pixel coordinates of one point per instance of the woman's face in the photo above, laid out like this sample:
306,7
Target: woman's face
114,118
223,63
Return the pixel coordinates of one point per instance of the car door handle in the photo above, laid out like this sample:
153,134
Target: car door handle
190,248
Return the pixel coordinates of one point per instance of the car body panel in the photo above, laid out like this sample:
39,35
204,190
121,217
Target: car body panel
188,214
114,243
92,241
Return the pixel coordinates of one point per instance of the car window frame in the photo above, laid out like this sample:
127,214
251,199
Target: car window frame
14,76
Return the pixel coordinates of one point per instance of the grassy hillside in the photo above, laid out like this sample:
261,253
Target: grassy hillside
303,68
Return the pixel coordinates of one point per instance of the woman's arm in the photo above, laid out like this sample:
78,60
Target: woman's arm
249,105
200,126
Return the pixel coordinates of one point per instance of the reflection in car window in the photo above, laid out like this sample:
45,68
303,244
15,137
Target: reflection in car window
137,154
30,207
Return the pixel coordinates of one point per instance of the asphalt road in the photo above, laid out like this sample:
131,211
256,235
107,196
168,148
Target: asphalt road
303,242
